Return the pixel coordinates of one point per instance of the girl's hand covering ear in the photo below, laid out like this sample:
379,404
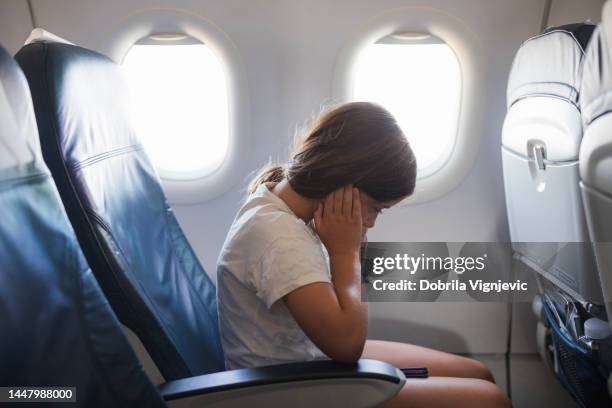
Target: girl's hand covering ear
338,221
337,322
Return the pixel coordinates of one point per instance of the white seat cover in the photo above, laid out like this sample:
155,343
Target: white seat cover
541,140
596,152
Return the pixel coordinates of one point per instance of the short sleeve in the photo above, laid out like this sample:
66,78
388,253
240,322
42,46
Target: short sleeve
288,264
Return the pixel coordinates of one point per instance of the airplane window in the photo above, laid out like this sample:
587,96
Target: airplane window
180,104
417,77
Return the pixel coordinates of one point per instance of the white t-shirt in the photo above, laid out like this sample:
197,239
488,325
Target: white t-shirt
268,253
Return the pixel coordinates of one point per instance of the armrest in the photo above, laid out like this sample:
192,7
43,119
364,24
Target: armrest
315,382
251,377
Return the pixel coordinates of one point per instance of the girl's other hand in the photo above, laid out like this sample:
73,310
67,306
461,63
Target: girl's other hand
338,221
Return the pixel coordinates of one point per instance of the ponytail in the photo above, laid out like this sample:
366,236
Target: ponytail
269,173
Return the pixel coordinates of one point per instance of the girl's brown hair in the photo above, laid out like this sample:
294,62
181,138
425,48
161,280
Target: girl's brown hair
357,143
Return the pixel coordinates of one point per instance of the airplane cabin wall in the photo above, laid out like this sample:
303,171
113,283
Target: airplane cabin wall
572,11
289,50
15,24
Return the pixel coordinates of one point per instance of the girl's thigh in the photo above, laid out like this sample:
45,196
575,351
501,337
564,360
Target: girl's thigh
442,392
439,363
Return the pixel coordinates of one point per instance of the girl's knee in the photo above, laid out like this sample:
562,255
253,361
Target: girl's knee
446,392
493,396
484,372
479,371
481,393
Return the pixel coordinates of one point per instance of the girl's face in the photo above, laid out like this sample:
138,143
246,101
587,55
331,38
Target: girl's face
370,209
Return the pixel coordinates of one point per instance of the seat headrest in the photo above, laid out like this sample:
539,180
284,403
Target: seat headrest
19,144
596,90
87,91
550,64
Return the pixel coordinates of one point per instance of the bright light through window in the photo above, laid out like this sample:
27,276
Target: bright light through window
181,107
420,84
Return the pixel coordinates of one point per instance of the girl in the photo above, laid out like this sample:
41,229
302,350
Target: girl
289,279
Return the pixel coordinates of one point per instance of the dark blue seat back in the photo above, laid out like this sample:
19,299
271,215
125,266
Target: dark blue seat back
114,200
56,327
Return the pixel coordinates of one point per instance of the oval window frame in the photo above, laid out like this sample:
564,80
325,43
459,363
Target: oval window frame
412,38
467,48
131,29
178,39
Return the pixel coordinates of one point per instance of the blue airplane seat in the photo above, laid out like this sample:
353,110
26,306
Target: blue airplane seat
56,328
114,200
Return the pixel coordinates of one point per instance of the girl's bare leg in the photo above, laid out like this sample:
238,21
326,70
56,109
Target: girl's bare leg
443,392
454,381
439,363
